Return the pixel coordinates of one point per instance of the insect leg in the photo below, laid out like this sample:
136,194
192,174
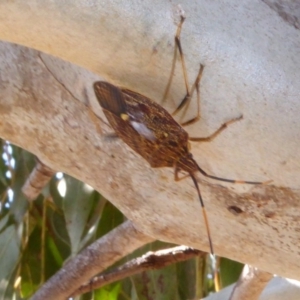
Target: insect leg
186,100
217,132
176,176
195,85
189,93
187,97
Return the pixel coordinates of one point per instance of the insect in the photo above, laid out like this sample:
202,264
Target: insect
152,132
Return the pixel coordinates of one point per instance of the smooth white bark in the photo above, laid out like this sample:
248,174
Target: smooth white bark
251,57
277,289
250,284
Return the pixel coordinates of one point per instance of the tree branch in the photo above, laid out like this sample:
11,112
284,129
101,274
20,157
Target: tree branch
37,180
250,284
149,261
94,259
242,75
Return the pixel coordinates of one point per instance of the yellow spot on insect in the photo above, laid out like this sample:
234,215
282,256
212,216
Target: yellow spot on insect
165,134
124,117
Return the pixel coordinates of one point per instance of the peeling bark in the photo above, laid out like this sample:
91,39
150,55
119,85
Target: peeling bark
149,261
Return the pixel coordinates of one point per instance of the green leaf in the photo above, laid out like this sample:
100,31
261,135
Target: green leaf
230,271
3,168
57,198
109,292
155,284
31,270
9,251
7,290
25,162
40,261
186,273
111,218
3,221
57,224
90,232
77,206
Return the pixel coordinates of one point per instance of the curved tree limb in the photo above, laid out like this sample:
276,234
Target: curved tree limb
149,261
250,284
251,67
37,180
277,289
95,258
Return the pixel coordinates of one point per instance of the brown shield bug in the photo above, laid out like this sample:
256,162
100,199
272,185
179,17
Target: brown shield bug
151,131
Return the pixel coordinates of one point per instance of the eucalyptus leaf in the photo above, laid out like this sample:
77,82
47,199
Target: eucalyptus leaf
9,251
3,221
76,206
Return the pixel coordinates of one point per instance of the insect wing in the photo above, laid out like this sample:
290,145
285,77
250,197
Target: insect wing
110,98
155,124
143,130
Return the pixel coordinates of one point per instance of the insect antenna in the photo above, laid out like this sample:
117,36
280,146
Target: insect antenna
215,273
204,214
231,180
